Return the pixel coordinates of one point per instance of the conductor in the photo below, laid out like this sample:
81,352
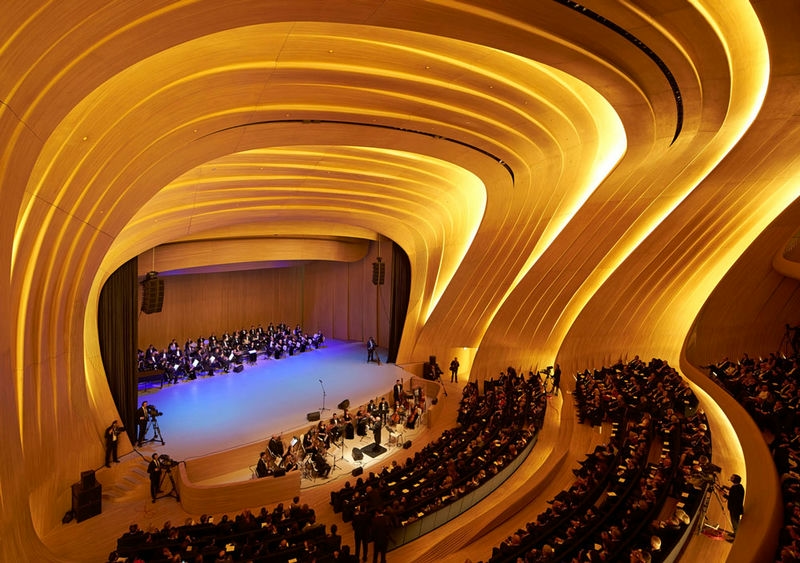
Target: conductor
376,431
735,496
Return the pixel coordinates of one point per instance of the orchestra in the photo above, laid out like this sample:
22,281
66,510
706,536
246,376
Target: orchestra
208,355
309,452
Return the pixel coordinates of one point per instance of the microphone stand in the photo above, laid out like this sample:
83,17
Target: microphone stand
322,409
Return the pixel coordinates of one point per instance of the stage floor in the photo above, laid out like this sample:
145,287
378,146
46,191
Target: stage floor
224,411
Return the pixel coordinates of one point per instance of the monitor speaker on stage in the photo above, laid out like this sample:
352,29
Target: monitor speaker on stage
312,416
407,444
357,454
358,471
238,368
88,479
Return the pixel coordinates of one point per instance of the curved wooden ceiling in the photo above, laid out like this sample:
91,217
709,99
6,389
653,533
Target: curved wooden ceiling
567,181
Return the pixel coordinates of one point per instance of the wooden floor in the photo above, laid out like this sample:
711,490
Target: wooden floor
468,538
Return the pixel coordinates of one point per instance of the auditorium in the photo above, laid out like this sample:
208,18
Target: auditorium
602,190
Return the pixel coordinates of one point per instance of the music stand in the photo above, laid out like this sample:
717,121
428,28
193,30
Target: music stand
322,408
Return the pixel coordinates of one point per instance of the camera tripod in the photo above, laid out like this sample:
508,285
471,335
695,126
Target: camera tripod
173,492
157,437
712,491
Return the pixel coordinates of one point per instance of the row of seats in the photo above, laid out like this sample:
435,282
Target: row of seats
610,511
275,536
493,429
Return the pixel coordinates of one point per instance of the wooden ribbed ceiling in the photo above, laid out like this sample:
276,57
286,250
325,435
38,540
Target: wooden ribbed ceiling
567,180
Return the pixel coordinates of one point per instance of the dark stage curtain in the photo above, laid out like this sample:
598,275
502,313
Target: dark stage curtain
117,327
401,291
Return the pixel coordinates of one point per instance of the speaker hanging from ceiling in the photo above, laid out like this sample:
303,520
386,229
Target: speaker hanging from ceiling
152,293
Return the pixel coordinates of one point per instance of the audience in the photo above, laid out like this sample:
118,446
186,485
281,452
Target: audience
609,512
767,389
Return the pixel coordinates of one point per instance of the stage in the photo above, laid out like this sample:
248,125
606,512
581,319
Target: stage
226,411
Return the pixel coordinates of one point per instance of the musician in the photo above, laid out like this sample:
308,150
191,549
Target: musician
383,410
262,468
276,447
376,431
290,462
398,392
308,439
321,465
361,423
371,345
372,408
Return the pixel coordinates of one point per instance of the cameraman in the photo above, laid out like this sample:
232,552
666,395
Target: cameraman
154,469
735,496
141,418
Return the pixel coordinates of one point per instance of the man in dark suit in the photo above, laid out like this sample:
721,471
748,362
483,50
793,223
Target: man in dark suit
454,370
112,440
380,530
141,420
154,469
262,469
361,525
398,392
735,495
371,345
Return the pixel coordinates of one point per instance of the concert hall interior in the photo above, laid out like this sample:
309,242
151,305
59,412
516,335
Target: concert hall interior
515,184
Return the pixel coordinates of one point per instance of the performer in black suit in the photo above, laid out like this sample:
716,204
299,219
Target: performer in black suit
275,446
383,410
141,418
371,345
154,469
376,431
398,392
112,440
262,468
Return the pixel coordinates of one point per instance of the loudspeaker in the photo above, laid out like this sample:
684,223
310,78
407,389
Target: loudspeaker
152,295
344,405
358,471
312,416
407,444
378,272
280,472
239,368
88,479
357,454
86,502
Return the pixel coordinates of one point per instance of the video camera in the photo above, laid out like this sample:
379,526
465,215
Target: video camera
166,461
153,412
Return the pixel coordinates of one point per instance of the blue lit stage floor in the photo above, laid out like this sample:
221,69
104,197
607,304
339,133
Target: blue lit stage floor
215,413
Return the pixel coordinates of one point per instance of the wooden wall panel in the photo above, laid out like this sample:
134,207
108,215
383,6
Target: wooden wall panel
335,297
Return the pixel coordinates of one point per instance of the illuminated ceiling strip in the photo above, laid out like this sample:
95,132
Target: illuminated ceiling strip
497,159
639,44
